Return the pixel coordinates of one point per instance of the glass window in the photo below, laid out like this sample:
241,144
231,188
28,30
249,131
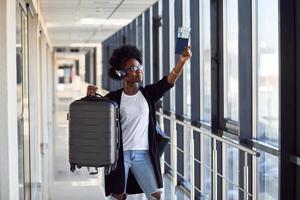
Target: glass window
231,165
172,50
206,156
267,177
230,58
187,154
266,67
186,22
266,92
205,62
140,33
140,37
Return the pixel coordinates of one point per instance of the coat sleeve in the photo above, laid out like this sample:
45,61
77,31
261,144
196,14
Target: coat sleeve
158,89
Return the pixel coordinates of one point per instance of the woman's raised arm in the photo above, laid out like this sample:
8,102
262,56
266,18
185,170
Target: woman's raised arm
177,70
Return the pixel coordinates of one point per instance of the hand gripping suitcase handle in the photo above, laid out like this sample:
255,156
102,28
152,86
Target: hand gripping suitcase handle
93,97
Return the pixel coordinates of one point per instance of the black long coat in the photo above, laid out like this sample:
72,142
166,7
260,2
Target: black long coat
115,181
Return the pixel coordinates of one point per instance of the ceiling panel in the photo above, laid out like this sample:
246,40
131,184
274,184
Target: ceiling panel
80,21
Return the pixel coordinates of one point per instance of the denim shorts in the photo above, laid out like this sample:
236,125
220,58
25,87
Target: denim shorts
139,163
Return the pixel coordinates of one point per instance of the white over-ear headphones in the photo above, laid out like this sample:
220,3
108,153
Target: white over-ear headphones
121,73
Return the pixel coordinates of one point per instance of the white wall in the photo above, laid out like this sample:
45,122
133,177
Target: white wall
9,186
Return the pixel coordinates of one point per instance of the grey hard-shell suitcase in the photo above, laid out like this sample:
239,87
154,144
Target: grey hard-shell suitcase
94,138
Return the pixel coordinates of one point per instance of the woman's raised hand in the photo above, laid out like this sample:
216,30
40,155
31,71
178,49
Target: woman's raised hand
185,55
91,90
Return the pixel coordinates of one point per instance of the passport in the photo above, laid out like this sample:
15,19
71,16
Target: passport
182,40
181,43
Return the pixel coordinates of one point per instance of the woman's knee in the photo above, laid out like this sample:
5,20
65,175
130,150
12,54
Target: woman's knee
118,196
156,195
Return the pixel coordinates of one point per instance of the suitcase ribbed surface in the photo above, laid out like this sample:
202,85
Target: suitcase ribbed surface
93,133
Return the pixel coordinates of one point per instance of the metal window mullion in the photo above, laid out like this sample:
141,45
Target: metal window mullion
216,46
288,54
195,61
245,92
224,110
166,47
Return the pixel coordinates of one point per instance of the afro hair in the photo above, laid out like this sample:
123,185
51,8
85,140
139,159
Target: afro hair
119,58
122,54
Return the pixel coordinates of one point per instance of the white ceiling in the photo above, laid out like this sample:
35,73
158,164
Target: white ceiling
72,22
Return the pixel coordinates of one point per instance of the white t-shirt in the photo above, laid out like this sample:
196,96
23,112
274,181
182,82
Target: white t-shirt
134,112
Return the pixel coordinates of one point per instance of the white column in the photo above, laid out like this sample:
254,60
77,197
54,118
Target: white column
9,186
34,96
44,89
99,66
45,100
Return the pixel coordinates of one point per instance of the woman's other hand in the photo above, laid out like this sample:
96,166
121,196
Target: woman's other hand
186,55
91,90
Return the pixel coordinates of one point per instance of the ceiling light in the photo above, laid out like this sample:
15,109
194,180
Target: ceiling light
117,22
98,21
91,21
99,10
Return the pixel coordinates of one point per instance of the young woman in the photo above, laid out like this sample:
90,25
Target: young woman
138,168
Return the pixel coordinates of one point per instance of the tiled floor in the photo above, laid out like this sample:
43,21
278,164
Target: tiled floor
79,185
